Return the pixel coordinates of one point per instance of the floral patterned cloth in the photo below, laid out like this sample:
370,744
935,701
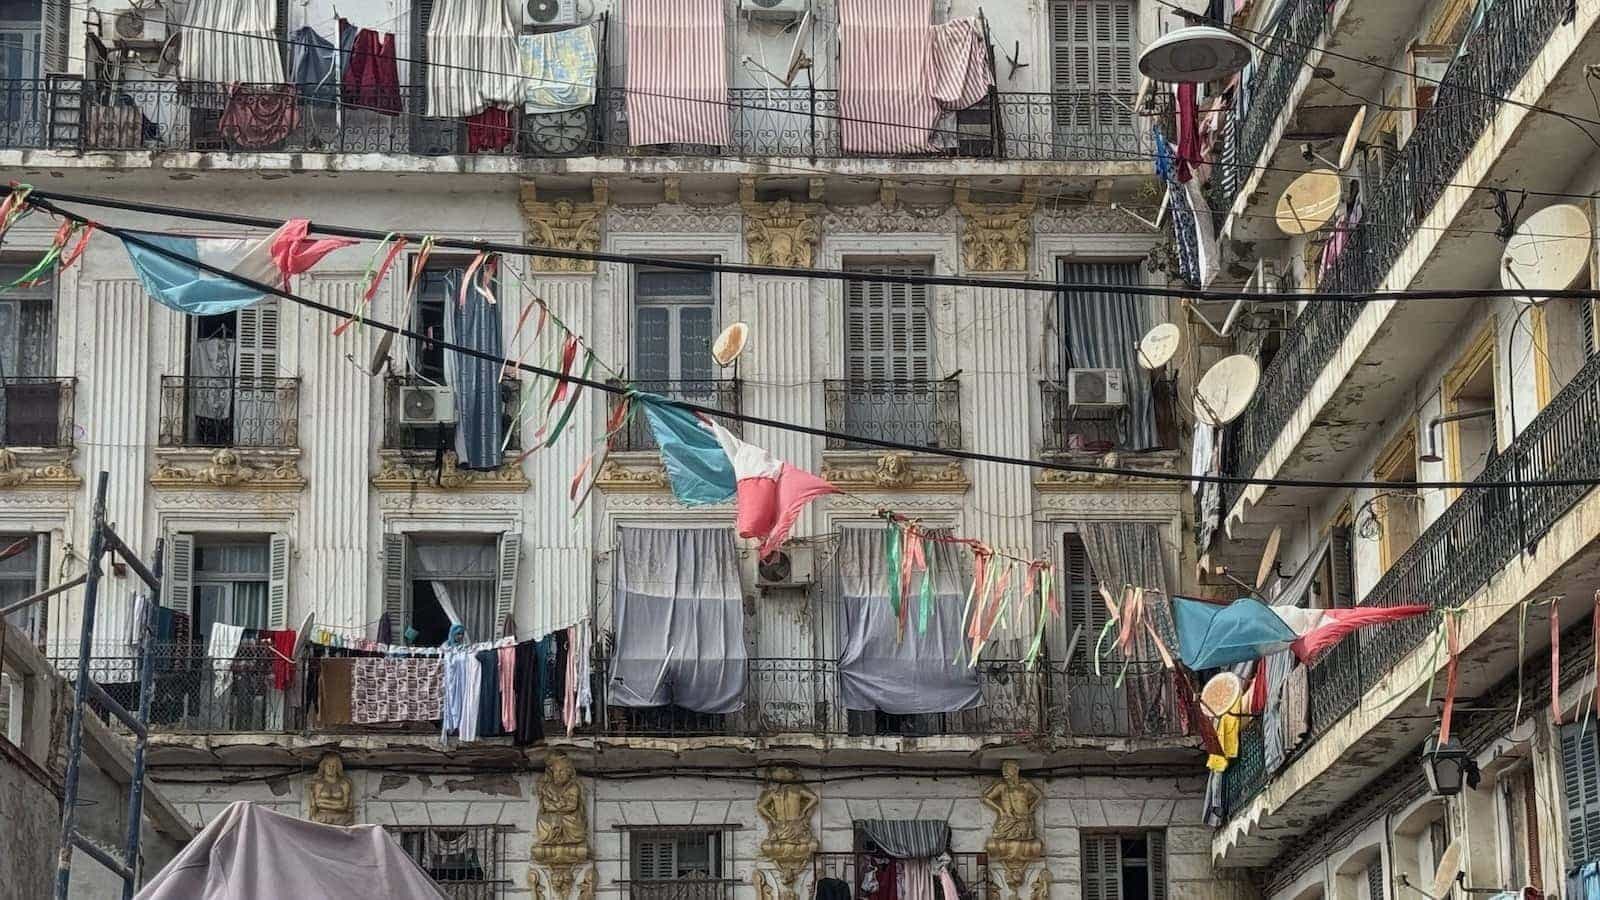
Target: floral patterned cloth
396,689
558,69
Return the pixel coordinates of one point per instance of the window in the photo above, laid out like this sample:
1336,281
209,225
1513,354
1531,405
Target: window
1580,781
31,403
230,395
1093,49
674,322
1375,880
1334,586
677,864
1470,386
1100,331
889,360
24,570
1086,610
1560,335
432,582
1519,827
1124,866
232,579
466,863
1397,509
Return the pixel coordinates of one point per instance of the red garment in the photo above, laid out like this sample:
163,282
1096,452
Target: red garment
489,130
260,116
371,78
1188,132
282,669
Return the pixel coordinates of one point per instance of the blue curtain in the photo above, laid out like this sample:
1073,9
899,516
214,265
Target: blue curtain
474,381
1102,330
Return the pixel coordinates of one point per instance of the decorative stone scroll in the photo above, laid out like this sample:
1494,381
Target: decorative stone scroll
229,469
563,225
561,837
897,472
48,469
781,233
402,473
996,236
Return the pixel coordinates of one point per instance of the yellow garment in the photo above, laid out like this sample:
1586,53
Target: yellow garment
1227,726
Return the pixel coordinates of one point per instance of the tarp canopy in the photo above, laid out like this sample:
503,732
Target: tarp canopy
251,853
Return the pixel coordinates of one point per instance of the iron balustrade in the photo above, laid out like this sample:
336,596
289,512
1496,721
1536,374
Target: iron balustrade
441,437
922,413
691,888
194,693
1136,701
201,411
37,412
1474,539
970,871
1493,60
466,862
1088,428
720,393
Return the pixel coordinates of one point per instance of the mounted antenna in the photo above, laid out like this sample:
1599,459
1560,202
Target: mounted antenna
1548,252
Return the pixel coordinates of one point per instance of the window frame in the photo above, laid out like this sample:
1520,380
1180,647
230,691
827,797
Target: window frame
1094,870
493,867
230,580
1400,453
674,303
1482,352
399,582
439,264
861,295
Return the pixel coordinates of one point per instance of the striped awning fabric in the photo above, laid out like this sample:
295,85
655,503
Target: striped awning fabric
898,72
472,58
231,41
677,72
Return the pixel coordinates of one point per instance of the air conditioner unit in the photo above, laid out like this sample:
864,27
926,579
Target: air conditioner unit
775,9
140,23
792,567
427,405
548,13
1095,387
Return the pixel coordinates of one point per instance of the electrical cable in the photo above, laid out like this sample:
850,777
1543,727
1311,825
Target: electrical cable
46,198
621,390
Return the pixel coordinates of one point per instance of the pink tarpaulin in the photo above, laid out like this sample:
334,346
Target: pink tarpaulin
1334,624
677,72
898,73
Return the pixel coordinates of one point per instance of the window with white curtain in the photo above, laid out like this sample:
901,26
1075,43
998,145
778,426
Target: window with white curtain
29,399
434,581
231,578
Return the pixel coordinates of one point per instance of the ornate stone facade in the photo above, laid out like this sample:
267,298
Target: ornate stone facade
37,469
1060,480
632,475
404,473
1014,841
895,472
330,795
229,469
781,233
996,236
561,838
563,225
786,806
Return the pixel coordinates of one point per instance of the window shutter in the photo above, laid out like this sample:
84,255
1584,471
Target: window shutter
281,14
55,32
1580,779
1343,566
888,328
505,597
1085,607
1375,888
655,858
256,361
396,592
1591,330
1093,46
1102,867
421,15
1156,849
180,573
278,581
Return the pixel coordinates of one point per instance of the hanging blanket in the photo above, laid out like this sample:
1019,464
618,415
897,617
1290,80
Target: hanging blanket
472,58
396,689
559,68
260,116
677,72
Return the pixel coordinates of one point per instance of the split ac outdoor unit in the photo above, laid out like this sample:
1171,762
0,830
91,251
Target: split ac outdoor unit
427,405
1095,387
786,568
547,13
775,9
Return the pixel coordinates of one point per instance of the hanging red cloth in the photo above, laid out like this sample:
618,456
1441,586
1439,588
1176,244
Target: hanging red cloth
1188,132
371,78
489,131
283,659
259,116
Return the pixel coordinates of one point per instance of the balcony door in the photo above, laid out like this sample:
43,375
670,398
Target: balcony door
231,386
674,323
30,403
1093,47
889,357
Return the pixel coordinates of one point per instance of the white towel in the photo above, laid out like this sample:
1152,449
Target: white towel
471,691
225,640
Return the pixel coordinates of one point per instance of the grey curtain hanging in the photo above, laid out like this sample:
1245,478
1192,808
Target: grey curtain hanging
1102,329
910,673
474,381
908,838
679,620
1131,553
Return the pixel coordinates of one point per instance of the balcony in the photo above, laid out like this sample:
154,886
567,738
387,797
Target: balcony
37,412
720,393
919,413
410,438
970,871
242,413
1072,429
781,122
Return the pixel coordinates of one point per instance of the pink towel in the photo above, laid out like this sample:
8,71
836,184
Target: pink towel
508,690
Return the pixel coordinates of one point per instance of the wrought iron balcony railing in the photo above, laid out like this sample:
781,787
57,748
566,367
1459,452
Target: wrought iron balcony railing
1138,701
400,432
200,411
784,122
195,693
36,412
721,393
1492,62
922,413
1476,537
1072,429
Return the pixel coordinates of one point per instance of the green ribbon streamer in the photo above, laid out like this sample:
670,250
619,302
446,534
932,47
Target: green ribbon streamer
1046,585
891,561
925,602
572,402
44,263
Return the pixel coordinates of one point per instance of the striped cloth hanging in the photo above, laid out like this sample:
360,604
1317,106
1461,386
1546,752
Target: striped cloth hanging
677,77
472,58
231,41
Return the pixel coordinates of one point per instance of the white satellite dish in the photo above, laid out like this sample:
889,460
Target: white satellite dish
1347,152
302,636
1309,202
1447,872
1221,693
1225,389
1549,251
1195,54
798,59
1160,345
730,343
380,356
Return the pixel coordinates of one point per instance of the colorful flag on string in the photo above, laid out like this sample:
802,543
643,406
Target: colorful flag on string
706,463
189,289
1212,635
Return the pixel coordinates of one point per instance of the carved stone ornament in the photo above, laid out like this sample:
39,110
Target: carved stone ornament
897,472
786,806
563,225
229,469
409,473
37,469
1161,461
781,233
1014,841
561,835
631,475
330,795
996,235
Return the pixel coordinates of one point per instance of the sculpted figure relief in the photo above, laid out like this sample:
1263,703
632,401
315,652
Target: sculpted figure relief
1014,842
330,794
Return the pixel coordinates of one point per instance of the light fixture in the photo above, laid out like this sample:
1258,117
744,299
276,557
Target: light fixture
1432,456
1194,54
1447,767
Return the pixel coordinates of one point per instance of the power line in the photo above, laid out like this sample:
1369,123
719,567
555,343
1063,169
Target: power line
843,275
134,239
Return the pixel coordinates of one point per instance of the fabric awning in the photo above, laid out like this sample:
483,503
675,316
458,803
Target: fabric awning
908,838
677,72
231,41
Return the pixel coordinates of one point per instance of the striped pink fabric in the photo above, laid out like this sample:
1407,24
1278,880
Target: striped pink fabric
898,72
677,72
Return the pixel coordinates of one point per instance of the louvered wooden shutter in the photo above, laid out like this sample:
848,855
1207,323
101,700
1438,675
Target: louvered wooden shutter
278,582
421,15
1530,815
654,858
257,358
888,329
1086,610
1591,330
1375,888
396,590
1102,867
1342,561
1580,781
281,14
1093,44
505,596
179,589
55,33
1156,847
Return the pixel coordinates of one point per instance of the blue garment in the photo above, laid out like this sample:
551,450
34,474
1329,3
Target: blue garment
311,66
697,466
1591,881
474,380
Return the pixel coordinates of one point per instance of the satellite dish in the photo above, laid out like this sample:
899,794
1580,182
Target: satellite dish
730,343
1448,872
1225,389
1309,201
1347,153
1269,556
302,636
1221,693
380,357
1159,345
797,54
1195,54
1549,250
